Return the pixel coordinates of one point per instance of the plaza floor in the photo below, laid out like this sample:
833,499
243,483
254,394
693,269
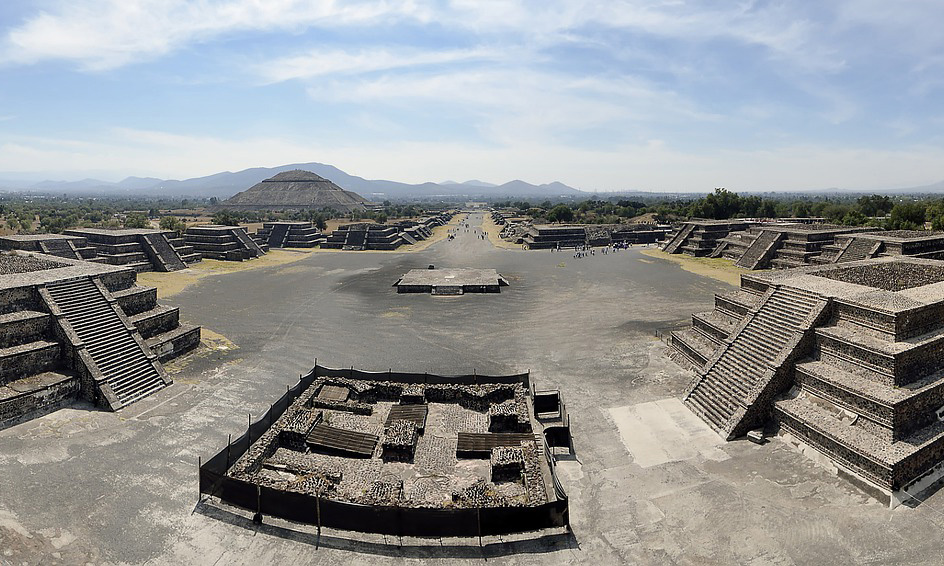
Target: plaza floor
648,483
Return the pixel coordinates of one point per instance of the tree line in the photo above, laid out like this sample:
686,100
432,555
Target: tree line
880,211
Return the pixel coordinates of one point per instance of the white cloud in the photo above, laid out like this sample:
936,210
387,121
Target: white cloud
319,63
111,33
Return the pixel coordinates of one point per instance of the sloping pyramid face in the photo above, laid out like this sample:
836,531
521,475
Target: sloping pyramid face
296,190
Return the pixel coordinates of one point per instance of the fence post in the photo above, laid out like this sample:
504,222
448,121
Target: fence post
199,466
229,446
257,518
478,520
318,515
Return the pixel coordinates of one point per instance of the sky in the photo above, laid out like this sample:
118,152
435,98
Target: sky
603,95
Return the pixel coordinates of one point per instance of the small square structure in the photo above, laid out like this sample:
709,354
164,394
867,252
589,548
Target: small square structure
451,281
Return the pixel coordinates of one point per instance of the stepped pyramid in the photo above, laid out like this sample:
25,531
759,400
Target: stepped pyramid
848,359
296,189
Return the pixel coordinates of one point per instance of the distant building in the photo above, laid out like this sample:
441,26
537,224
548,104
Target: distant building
296,190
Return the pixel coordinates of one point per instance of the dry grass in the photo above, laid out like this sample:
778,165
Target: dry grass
171,283
492,230
716,268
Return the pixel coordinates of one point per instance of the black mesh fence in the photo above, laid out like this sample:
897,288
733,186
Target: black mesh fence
399,521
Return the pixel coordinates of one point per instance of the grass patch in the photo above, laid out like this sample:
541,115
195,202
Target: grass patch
720,269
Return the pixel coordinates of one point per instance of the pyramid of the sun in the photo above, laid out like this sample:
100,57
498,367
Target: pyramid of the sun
296,189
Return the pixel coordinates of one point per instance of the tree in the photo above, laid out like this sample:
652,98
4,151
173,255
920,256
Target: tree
906,216
560,213
171,223
801,209
719,205
875,205
137,220
225,218
936,215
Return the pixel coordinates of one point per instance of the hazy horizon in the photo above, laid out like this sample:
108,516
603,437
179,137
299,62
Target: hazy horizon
649,96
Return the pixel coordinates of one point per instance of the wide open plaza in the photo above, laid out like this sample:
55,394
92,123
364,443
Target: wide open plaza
648,482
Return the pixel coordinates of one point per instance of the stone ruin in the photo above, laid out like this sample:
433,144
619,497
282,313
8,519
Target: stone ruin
59,245
700,238
847,359
450,281
546,236
288,235
72,329
139,249
416,442
865,245
781,246
228,243
366,236
296,190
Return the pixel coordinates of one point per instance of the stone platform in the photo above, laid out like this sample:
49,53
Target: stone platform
864,245
451,281
73,329
416,447
61,245
288,235
228,243
781,246
848,358
364,236
702,237
142,249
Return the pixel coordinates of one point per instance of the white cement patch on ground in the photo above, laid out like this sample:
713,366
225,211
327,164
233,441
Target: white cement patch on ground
665,431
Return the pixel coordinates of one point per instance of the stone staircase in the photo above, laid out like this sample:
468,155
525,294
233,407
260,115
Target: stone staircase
118,353
243,237
277,235
858,249
60,248
355,240
738,383
161,253
185,251
676,242
760,251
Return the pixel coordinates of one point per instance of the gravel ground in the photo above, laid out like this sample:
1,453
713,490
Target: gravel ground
11,263
86,486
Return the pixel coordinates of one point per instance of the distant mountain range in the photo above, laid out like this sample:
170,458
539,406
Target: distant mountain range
224,185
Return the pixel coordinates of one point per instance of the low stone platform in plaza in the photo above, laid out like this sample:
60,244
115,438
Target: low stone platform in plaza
72,329
847,358
61,245
142,249
288,235
864,245
702,237
451,281
403,454
364,236
781,245
228,243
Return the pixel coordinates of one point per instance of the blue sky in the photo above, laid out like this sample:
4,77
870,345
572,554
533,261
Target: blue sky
602,95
